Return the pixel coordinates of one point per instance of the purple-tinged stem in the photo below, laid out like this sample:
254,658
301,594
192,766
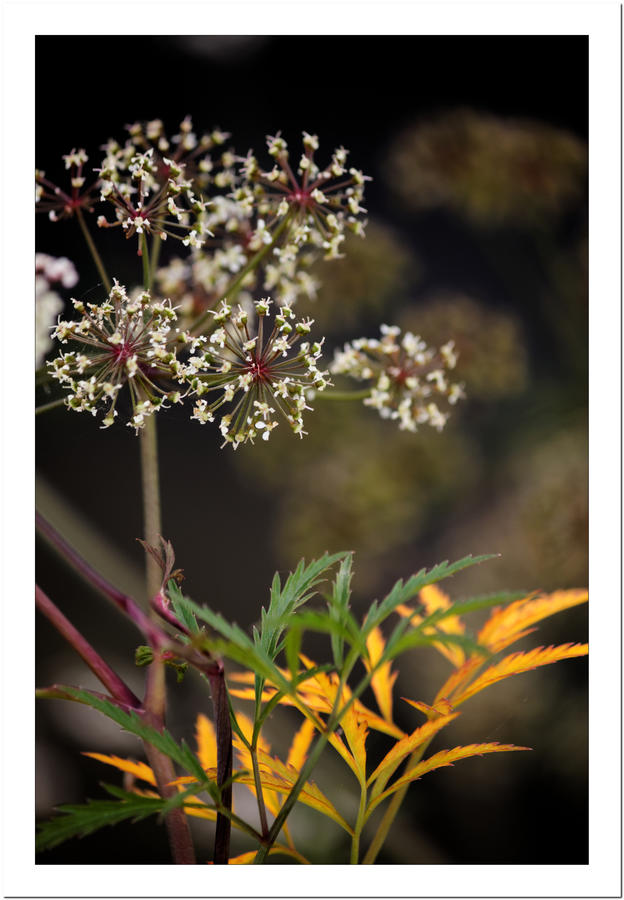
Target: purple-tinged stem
155,701
223,728
111,681
178,830
126,604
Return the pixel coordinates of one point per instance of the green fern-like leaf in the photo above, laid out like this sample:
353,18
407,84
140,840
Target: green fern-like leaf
182,611
80,820
132,722
402,592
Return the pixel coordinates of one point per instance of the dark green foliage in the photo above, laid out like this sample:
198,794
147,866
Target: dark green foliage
80,820
131,721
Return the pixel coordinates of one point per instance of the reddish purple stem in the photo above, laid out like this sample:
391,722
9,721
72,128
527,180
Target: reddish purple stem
160,641
111,681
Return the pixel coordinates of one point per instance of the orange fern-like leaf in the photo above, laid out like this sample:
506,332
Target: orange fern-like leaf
206,740
438,761
509,624
433,599
300,745
140,770
403,748
516,663
383,680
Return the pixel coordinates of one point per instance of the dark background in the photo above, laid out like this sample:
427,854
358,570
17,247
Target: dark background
513,456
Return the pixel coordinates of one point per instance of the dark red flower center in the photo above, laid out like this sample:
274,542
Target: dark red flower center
259,370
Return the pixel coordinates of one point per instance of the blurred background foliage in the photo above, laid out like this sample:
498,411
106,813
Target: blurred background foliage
477,233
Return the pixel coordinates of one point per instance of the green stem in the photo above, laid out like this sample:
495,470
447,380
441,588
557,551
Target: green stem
97,259
147,271
155,703
259,795
332,723
151,500
284,812
234,285
51,405
359,824
391,812
156,245
342,395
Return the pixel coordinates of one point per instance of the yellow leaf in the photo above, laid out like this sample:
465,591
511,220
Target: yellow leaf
458,678
206,742
313,697
201,811
190,779
516,663
281,780
509,624
356,732
403,748
383,680
433,599
244,859
300,745
138,769
437,761
143,771
246,726
441,707
353,725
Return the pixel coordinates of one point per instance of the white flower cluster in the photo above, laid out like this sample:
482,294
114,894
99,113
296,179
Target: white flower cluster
408,376
320,203
151,195
124,341
260,373
64,202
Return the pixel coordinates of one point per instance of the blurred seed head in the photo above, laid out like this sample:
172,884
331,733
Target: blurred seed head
489,343
488,169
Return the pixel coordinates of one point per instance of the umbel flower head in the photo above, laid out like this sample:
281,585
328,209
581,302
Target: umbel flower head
194,151
124,342
62,203
261,375
407,375
151,195
321,203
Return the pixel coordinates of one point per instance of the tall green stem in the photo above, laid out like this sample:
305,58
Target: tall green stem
359,824
151,500
259,793
97,259
391,812
147,271
178,830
